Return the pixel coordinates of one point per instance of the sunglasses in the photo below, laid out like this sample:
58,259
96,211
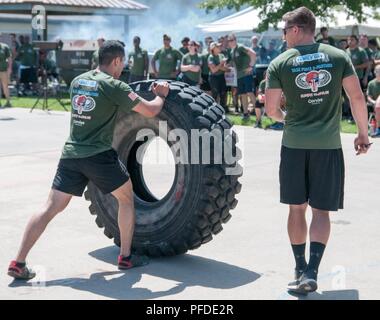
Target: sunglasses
284,30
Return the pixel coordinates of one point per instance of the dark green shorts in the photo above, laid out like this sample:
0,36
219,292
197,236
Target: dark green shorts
105,170
312,176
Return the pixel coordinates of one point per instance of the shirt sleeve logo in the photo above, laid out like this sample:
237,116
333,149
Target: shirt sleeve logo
82,104
313,80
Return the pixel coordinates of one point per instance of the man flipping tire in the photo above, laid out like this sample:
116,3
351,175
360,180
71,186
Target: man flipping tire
96,98
311,76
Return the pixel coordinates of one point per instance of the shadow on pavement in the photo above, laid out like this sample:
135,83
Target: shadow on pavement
186,270
330,295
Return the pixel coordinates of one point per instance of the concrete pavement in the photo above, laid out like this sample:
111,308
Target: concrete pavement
250,259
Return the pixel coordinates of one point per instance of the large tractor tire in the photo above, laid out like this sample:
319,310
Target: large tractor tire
202,195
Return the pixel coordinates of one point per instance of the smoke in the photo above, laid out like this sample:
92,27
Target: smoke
177,18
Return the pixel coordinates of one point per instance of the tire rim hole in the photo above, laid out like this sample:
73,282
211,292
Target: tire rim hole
154,175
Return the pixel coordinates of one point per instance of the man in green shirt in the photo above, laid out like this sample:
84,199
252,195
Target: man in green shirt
138,61
169,60
311,76
28,62
363,43
243,60
373,97
359,59
191,66
5,71
326,39
185,46
96,96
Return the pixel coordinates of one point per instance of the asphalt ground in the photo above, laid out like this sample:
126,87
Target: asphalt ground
250,259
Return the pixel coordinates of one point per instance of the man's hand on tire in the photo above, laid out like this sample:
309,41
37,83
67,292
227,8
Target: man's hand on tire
161,89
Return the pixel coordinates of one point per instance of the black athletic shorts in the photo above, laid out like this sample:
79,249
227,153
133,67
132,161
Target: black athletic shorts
312,176
105,170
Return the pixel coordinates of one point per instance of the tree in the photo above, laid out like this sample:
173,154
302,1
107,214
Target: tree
271,12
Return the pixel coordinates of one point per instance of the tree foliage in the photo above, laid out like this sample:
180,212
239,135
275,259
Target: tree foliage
271,12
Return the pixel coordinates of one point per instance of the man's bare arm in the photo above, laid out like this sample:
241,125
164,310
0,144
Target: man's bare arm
273,104
150,109
359,111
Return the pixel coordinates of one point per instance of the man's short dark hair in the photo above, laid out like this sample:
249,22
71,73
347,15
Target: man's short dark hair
185,39
136,38
373,42
324,29
302,17
111,50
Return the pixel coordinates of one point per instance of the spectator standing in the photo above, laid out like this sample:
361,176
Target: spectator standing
271,52
28,62
363,43
372,43
326,39
359,59
259,49
217,63
191,65
5,71
244,60
138,61
169,59
373,97
185,46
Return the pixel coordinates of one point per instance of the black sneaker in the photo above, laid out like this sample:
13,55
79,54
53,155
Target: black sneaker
133,261
304,285
297,275
20,271
258,125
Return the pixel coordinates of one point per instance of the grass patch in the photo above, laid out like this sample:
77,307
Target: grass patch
28,103
347,127
23,102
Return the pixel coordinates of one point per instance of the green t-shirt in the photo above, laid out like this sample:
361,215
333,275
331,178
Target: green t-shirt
205,68
96,97
373,89
27,55
140,57
215,60
168,59
241,60
196,60
183,50
311,78
358,56
5,54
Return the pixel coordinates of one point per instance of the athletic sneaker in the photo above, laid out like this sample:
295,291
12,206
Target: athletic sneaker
376,134
297,276
303,286
133,261
258,125
20,271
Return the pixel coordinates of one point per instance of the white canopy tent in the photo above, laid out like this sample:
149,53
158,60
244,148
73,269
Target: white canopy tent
245,21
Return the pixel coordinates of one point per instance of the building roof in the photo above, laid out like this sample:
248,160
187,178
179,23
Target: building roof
73,6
